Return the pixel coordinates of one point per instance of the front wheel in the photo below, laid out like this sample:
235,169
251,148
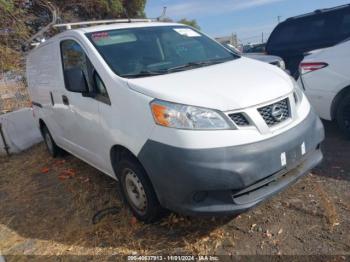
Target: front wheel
51,146
137,191
343,115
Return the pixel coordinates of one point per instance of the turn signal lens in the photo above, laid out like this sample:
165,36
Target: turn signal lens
160,114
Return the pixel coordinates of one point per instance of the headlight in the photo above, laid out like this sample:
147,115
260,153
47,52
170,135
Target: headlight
282,65
187,117
297,93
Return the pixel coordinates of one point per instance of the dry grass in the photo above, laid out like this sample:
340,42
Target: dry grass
48,206
329,207
44,203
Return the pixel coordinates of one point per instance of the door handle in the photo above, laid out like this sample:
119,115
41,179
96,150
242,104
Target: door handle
65,100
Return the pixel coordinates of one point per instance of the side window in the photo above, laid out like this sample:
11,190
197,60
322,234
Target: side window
312,30
344,29
285,34
74,57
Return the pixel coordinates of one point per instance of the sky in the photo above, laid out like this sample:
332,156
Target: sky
249,19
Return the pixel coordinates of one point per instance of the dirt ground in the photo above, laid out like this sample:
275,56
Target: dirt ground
63,206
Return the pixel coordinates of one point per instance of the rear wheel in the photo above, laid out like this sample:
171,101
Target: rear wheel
137,191
51,146
343,115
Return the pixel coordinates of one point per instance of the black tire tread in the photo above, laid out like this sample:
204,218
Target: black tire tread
57,151
154,209
345,101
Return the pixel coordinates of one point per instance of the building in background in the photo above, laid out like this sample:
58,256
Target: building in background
232,40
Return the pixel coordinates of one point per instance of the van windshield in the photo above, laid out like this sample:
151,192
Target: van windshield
149,51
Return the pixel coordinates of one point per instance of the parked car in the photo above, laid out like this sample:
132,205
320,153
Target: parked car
295,37
180,121
325,77
270,59
255,48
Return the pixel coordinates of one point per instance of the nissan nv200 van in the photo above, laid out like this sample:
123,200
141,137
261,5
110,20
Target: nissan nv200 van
181,122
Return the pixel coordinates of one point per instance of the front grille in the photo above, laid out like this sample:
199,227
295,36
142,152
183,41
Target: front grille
239,119
275,113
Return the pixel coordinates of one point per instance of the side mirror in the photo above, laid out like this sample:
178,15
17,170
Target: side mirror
75,80
232,49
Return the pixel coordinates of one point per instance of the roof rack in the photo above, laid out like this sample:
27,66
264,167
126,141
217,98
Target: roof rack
319,11
68,26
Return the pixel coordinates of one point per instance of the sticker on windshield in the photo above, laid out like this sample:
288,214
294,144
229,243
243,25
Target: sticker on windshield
187,32
105,38
99,35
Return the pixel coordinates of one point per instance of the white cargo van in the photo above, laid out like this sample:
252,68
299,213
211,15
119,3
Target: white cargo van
180,121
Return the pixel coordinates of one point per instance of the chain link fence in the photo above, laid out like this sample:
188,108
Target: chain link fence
13,92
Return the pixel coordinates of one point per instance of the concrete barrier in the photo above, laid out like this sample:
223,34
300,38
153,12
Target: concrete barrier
19,130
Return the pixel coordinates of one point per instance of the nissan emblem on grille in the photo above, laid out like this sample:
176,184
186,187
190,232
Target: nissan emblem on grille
275,113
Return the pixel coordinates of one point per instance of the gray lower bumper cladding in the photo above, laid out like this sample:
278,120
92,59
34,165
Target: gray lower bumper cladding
230,180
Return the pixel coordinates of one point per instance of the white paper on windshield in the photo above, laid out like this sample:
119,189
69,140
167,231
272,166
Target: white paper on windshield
187,32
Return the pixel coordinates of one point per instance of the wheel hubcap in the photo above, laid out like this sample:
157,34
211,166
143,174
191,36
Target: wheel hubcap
135,191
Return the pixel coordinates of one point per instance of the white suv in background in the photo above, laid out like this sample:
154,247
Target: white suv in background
325,77
179,120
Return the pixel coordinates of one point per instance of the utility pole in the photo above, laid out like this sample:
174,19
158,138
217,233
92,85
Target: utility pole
262,37
159,18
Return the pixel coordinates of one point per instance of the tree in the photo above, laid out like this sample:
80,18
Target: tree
135,8
104,9
6,5
192,23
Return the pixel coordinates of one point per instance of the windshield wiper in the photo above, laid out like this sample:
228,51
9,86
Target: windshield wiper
197,64
144,73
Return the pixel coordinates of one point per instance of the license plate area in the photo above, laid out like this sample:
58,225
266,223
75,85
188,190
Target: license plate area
291,157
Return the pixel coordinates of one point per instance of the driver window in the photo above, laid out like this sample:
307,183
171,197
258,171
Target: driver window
74,57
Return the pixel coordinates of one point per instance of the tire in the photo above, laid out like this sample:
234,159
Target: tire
51,146
343,115
137,191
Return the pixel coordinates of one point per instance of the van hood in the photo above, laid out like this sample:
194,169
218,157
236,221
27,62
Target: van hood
228,86
263,57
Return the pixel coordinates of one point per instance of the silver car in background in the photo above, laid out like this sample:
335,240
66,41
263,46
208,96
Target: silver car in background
271,59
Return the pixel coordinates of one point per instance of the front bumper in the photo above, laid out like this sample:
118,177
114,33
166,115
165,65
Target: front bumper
230,180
